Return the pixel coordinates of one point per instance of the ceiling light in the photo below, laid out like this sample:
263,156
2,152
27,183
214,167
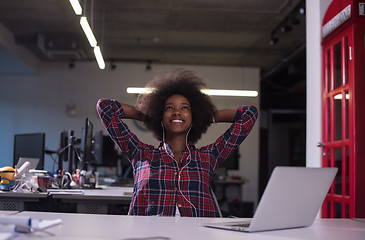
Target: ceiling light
148,66
235,93
76,6
71,64
339,96
88,32
136,90
212,92
99,57
113,66
302,10
274,40
286,28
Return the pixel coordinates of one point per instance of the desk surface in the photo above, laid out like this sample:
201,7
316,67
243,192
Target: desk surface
86,226
8,212
11,194
108,193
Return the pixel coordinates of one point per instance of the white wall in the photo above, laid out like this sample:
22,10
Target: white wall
38,104
315,11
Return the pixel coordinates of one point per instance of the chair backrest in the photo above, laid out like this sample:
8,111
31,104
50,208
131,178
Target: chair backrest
217,204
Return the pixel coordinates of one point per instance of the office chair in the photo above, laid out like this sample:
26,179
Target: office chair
217,204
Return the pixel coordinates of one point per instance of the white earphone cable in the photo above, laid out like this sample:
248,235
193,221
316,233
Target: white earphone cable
189,157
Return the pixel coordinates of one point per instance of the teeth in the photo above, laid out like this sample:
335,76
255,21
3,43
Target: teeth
177,121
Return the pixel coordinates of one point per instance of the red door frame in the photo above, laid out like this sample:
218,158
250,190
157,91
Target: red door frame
354,28
346,167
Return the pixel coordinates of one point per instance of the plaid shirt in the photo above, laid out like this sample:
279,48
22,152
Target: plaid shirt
160,183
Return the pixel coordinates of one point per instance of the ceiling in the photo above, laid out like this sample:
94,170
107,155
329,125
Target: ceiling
203,32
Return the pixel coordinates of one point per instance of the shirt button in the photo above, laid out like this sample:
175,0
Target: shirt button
175,173
179,205
175,188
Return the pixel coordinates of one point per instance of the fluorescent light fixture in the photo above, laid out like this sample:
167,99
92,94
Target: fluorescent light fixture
88,32
99,57
212,92
136,90
76,6
339,96
235,93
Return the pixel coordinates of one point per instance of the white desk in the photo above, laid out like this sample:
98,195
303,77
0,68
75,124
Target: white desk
107,193
94,200
8,212
95,226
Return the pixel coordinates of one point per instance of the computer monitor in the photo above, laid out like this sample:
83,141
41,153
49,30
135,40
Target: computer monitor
30,145
63,150
232,162
106,154
87,144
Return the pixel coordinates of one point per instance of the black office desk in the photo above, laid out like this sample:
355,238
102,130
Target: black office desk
18,201
109,200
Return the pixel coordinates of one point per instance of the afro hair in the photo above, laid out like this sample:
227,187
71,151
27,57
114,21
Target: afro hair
182,82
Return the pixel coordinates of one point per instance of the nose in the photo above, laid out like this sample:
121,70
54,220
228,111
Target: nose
176,112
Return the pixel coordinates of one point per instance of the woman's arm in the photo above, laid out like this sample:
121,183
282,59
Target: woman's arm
244,118
112,114
131,112
225,115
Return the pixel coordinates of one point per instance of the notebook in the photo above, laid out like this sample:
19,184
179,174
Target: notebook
292,198
33,162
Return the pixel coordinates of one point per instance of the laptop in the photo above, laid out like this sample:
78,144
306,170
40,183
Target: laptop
292,198
33,162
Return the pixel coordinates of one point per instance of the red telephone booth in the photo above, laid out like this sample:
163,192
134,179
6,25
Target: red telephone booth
343,86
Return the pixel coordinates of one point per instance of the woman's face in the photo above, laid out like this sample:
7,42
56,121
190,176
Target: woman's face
177,116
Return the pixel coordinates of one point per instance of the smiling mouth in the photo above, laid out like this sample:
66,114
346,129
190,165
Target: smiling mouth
177,121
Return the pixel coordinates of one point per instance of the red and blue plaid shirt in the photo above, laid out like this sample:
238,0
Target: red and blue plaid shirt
160,183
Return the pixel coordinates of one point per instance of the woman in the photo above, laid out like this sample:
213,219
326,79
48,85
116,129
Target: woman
175,177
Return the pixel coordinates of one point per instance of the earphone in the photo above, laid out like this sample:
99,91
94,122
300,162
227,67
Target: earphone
169,152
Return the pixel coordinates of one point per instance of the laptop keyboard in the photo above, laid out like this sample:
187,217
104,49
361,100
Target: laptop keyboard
243,224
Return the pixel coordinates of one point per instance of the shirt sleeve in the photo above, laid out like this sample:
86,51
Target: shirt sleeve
111,114
245,119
